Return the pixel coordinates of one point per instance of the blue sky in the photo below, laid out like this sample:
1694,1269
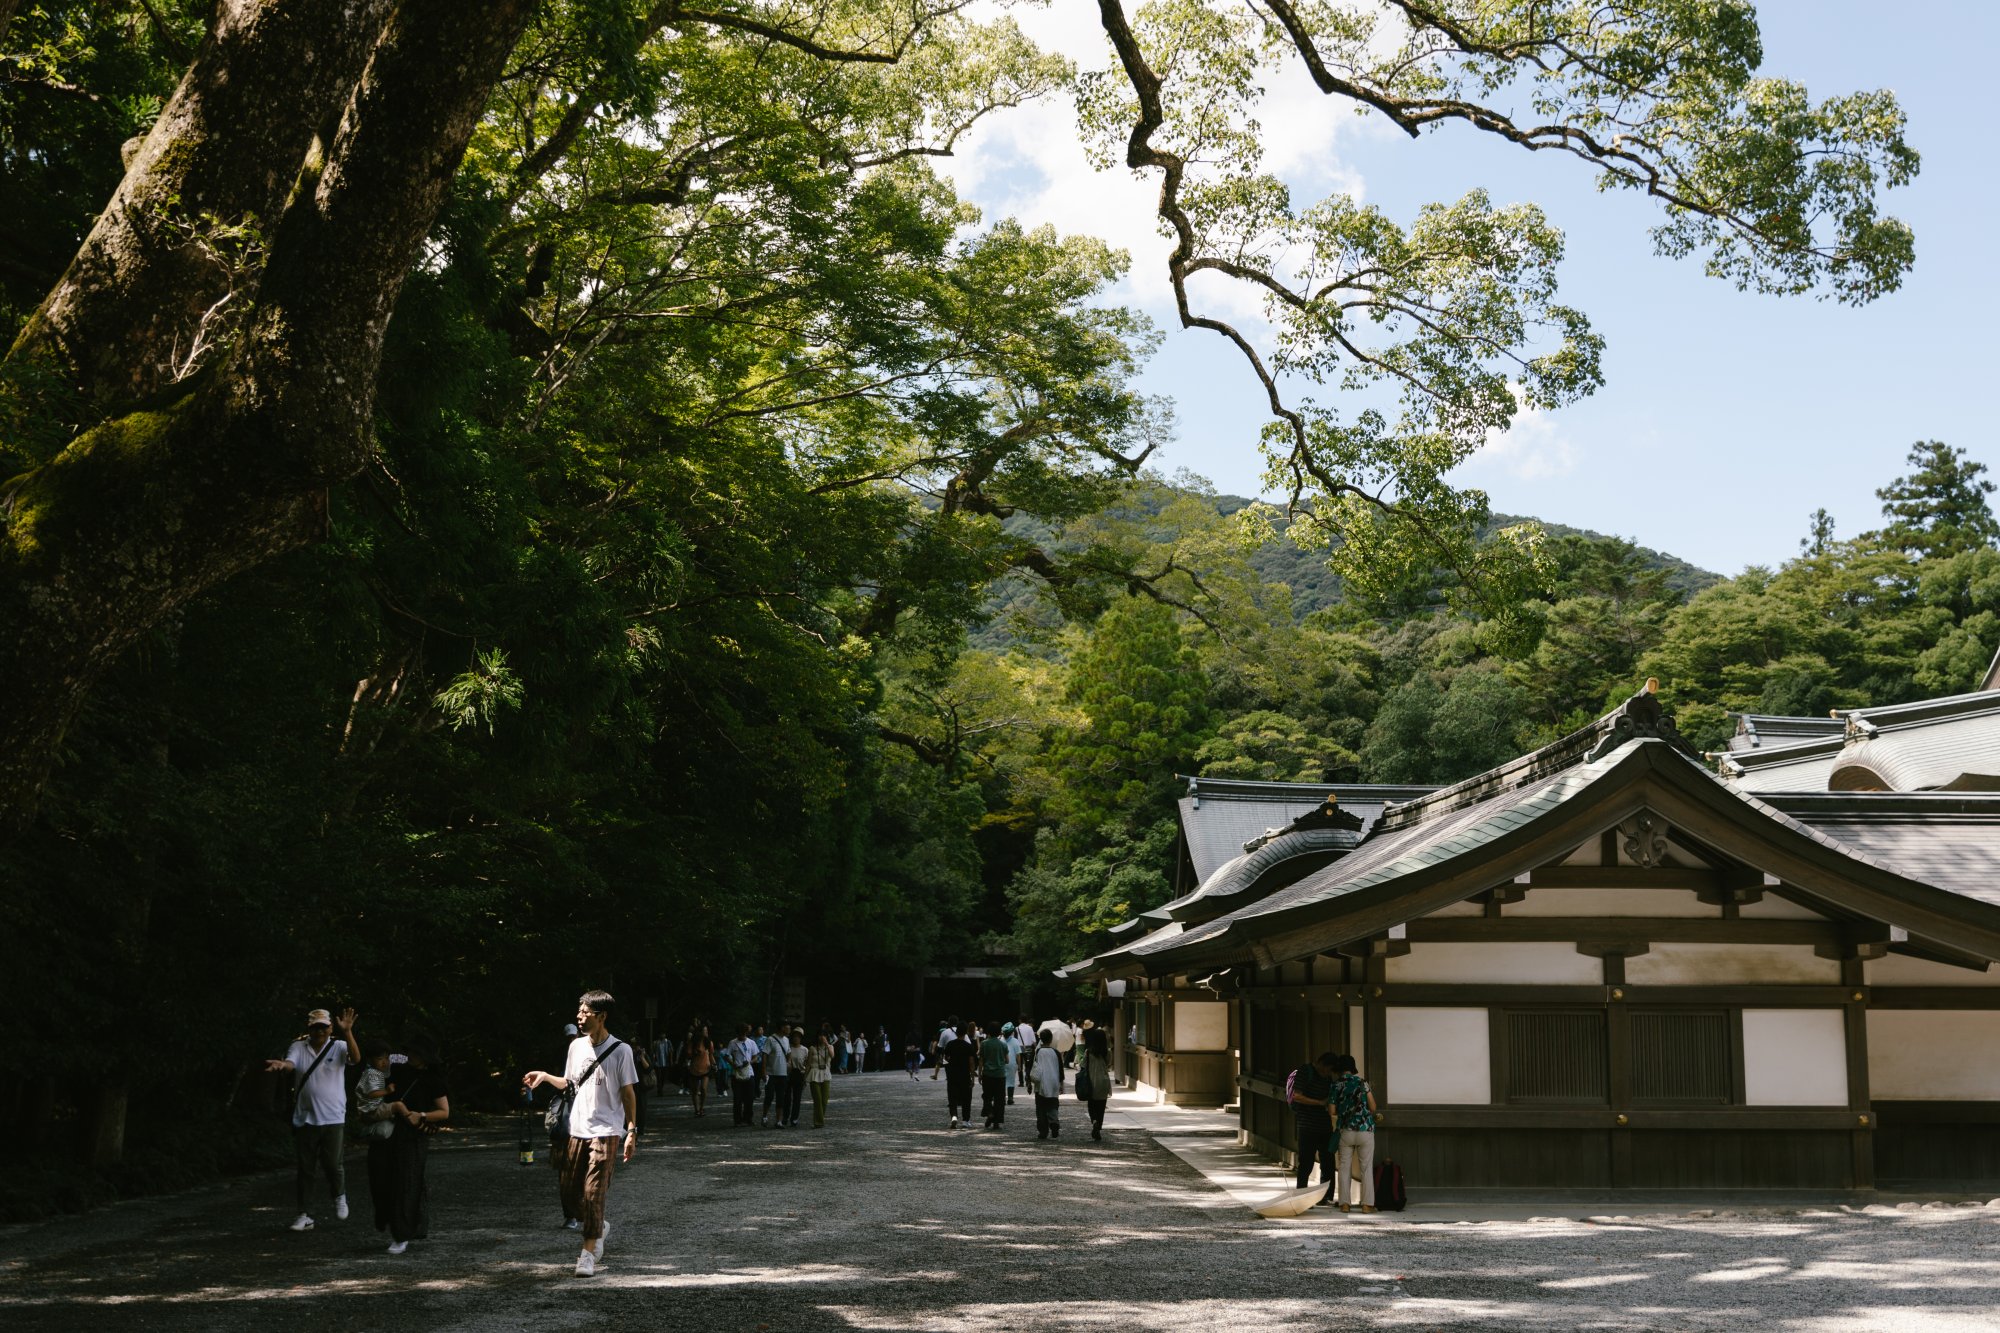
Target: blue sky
1727,417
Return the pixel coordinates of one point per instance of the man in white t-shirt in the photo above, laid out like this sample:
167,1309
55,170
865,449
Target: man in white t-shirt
946,1035
318,1062
603,1114
777,1074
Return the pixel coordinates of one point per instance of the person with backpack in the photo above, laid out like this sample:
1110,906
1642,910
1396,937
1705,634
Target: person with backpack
1354,1111
1310,1092
319,1061
602,1079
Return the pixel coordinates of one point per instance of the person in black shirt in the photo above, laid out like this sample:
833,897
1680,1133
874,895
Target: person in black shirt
417,1103
959,1055
1312,1088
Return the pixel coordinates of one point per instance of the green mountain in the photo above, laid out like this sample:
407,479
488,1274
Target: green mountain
1013,612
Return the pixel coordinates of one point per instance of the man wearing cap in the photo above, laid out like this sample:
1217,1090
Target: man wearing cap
318,1062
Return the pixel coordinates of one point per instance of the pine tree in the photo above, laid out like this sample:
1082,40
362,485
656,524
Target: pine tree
1939,509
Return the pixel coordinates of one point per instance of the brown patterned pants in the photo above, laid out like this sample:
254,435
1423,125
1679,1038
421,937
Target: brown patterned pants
586,1180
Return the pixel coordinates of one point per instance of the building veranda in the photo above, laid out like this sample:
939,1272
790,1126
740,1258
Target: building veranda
1605,964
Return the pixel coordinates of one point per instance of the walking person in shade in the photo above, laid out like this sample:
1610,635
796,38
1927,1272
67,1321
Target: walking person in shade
699,1054
743,1057
604,1113
777,1076
1093,1077
996,1071
1047,1080
419,1104
559,1142
956,1057
818,1061
318,1062
1354,1111
795,1087
1312,1094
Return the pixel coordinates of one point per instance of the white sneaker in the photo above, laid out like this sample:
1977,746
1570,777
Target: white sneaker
340,1209
399,1246
302,1223
602,1236
586,1264
954,1122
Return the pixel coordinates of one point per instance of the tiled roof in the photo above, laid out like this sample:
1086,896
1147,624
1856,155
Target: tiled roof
1391,853
1219,815
1936,850
1803,767
1947,839
1948,744
1757,731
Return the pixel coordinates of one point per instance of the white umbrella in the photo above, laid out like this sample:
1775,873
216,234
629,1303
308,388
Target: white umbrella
1293,1203
1064,1034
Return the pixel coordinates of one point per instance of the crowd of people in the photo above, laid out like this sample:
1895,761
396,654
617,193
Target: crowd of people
1004,1056
769,1073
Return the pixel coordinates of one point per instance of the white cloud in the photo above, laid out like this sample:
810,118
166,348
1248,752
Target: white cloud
1029,163
1534,448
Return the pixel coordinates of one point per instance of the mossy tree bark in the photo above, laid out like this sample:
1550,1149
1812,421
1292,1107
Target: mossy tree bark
219,331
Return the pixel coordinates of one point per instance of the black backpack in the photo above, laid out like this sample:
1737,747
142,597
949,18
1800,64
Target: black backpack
1390,1196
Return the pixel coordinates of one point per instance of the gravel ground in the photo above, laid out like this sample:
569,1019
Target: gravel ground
888,1220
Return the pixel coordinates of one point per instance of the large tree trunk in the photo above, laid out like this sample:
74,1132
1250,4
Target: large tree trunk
225,153
161,499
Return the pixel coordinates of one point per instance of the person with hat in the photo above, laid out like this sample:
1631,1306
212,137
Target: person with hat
318,1062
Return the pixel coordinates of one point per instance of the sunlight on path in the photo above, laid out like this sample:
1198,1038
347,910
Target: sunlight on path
888,1219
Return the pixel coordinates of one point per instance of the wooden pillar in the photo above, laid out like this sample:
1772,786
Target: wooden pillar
1618,1039
1853,976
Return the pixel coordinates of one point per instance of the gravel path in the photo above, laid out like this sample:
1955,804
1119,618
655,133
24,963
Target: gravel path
888,1220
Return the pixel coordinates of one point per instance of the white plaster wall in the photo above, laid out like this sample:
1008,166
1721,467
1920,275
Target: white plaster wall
1584,854
1201,1025
1439,1057
1794,1057
1897,970
1943,1055
1682,856
1613,902
1730,965
1357,1036
1773,908
1517,964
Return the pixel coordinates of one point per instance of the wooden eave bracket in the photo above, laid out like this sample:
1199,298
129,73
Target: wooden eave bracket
1864,943
1735,886
1932,952
1613,948
1390,944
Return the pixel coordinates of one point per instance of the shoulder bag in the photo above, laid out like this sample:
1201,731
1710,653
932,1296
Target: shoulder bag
299,1088
556,1118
